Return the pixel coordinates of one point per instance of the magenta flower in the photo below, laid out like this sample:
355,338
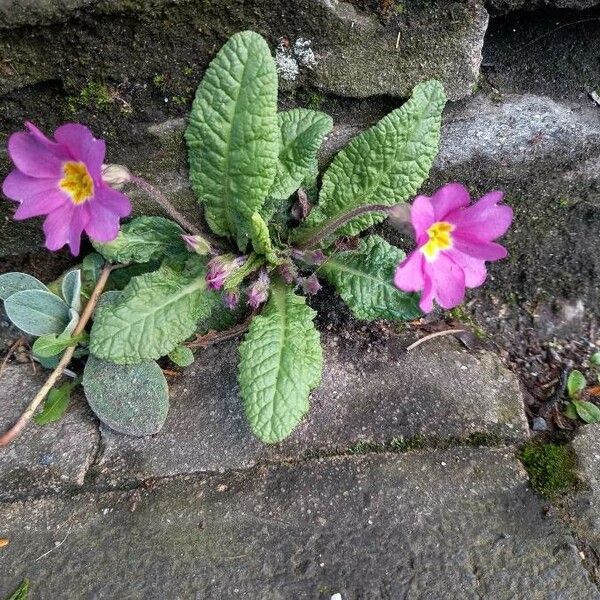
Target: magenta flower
453,242
231,300
62,179
258,292
220,268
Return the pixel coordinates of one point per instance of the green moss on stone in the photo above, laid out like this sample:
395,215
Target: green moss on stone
551,468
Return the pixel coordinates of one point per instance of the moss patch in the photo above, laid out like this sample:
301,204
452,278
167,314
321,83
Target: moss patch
551,468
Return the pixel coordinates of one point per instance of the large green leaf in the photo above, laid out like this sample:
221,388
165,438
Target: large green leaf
364,279
281,362
232,136
302,133
384,165
153,314
131,399
143,240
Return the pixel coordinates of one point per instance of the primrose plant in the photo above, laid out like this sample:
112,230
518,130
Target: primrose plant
159,287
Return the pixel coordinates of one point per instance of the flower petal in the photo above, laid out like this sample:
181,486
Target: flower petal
448,281
421,216
18,186
409,273
57,227
79,221
473,268
448,198
481,249
426,301
40,204
82,145
103,224
112,200
35,157
484,220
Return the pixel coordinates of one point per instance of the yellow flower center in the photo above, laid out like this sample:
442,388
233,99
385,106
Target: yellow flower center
440,238
77,182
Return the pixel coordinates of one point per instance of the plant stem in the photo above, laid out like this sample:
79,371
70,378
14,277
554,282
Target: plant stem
16,429
334,225
166,205
214,337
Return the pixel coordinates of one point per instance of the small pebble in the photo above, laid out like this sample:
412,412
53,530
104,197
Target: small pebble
539,424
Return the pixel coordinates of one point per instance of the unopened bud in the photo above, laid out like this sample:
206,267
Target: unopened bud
197,244
258,292
115,175
310,285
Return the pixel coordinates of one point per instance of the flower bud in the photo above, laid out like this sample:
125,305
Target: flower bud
197,244
288,272
310,257
115,175
231,300
310,285
258,292
220,268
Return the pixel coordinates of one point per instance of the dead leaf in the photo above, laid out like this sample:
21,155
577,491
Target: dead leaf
4,542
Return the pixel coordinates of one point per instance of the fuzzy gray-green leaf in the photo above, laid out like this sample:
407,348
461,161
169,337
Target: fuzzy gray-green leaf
71,289
384,165
302,133
281,362
153,314
364,279
233,137
37,312
11,283
131,399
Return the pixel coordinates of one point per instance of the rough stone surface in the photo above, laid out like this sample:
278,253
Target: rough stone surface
368,394
357,53
586,510
460,524
43,458
510,5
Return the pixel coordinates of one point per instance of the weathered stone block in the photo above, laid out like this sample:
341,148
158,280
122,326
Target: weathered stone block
377,394
43,458
456,524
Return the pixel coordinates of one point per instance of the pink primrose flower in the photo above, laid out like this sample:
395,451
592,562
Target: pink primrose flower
454,239
62,179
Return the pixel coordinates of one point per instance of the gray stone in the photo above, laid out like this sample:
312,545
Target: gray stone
509,5
440,40
43,458
354,53
444,525
586,508
369,393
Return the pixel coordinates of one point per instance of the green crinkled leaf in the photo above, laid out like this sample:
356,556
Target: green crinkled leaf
71,289
182,356
153,314
56,404
587,411
143,240
50,345
384,165
281,362
302,132
11,283
37,312
232,136
261,239
91,267
131,399
364,279
22,592
575,383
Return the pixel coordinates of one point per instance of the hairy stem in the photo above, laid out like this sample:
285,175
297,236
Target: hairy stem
166,205
16,429
214,337
333,226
